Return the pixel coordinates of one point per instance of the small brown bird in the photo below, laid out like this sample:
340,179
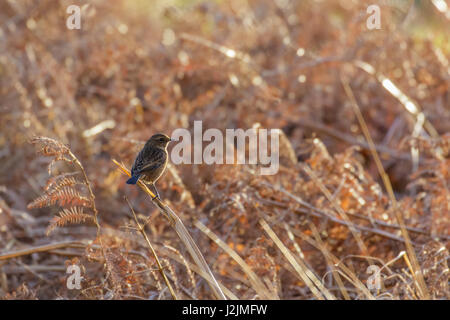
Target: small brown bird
151,161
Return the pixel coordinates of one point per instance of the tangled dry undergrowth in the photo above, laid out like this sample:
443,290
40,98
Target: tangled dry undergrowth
365,144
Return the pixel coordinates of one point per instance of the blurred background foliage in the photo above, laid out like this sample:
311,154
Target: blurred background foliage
140,67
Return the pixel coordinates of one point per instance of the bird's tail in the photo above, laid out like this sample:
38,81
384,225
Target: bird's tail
133,179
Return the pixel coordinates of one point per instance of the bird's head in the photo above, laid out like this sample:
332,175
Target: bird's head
159,140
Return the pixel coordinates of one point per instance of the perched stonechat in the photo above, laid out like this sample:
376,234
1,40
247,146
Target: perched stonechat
151,161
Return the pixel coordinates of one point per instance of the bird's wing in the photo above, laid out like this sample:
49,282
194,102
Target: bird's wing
150,160
150,166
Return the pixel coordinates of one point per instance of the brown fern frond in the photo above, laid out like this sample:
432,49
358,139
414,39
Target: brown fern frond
73,215
39,202
66,196
62,180
51,147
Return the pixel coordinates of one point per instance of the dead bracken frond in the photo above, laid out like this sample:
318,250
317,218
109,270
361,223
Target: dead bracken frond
61,190
74,215
51,148
63,197
62,180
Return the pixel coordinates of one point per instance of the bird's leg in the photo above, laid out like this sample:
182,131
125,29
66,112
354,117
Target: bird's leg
156,193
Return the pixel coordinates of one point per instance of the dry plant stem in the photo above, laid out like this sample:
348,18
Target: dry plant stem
33,269
406,101
230,53
379,232
319,213
196,269
351,140
316,212
160,267
91,193
184,235
335,272
346,272
186,291
416,271
257,284
330,264
306,275
44,248
338,208
356,215
299,265
94,208
188,270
